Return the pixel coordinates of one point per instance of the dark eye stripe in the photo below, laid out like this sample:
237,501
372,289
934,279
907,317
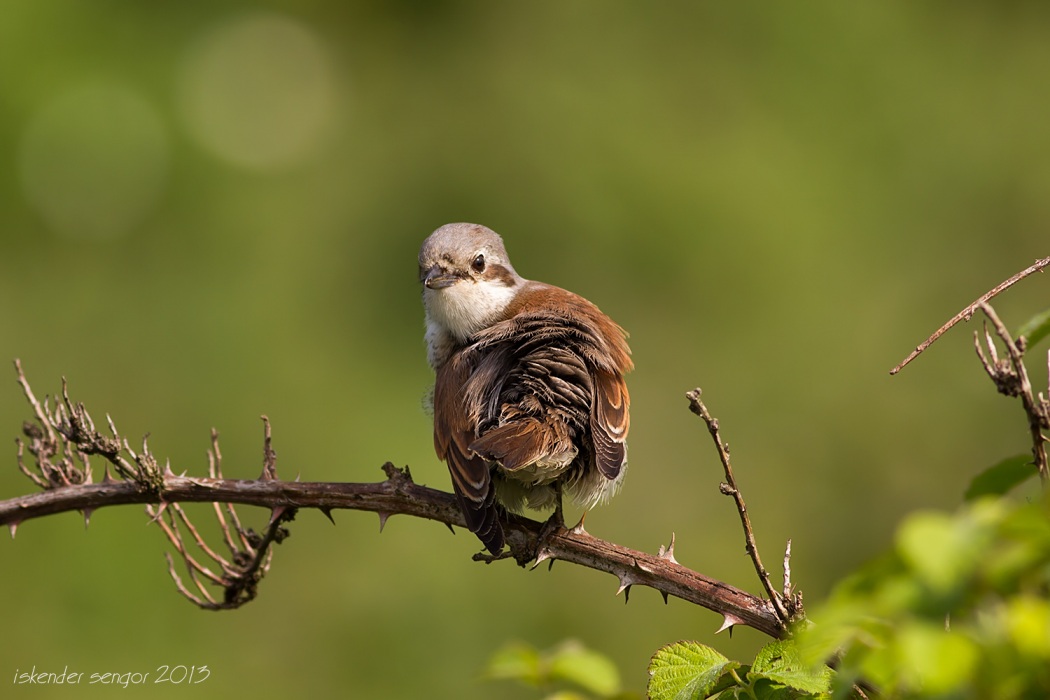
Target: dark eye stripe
497,272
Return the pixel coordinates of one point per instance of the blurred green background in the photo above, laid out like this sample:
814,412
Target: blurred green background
211,211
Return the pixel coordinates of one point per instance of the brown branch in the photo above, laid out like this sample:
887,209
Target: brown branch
787,609
68,488
398,494
967,313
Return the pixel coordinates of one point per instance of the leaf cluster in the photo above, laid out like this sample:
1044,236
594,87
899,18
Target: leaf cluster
958,608
690,671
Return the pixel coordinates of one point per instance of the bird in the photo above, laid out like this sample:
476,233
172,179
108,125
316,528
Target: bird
529,398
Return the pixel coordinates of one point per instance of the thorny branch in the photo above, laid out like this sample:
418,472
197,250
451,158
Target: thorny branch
788,606
64,437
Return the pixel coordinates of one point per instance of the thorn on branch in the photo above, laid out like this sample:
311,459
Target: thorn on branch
276,514
544,554
728,622
625,587
667,554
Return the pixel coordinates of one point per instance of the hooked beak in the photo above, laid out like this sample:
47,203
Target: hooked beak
436,278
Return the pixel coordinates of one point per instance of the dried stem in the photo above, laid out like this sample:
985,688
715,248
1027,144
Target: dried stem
41,415
967,313
1011,378
786,608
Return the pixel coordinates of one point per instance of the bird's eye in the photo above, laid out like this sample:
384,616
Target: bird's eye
478,264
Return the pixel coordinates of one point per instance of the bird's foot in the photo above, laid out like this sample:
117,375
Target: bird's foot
551,527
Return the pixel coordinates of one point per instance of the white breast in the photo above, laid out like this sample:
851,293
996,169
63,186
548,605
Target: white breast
456,313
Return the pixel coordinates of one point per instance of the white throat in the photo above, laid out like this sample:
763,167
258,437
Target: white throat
456,313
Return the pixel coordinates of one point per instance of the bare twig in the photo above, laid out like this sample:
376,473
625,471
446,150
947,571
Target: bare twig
967,313
1011,378
41,415
215,472
785,608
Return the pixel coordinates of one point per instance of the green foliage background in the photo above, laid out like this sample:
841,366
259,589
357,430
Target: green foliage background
778,201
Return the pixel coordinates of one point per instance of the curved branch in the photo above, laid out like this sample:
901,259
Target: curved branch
64,438
967,313
398,494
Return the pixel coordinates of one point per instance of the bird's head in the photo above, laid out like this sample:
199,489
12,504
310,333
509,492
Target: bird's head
468,280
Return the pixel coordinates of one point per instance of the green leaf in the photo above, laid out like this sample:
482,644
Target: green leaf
1028,624
727,681
588,669
942,551
686,671
767,690
998,479
781,662
1036,328
935,660
515,661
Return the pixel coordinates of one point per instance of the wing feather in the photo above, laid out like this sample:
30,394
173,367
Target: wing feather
453,434
610,423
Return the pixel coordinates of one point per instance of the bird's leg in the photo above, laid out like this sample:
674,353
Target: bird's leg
558,516
555,522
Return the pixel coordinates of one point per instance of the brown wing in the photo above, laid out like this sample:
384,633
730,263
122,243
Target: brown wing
610,422
563,362
515,444
453,434
538,397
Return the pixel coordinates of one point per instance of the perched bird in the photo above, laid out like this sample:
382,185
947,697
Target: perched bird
529,397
